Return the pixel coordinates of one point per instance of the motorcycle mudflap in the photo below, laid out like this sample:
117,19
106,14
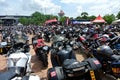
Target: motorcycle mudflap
55,73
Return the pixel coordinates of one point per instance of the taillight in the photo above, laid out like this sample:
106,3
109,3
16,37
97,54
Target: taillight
53,74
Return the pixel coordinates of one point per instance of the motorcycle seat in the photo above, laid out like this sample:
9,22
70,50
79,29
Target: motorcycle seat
115,57
8,75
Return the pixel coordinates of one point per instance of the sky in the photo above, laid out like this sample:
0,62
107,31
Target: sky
71,8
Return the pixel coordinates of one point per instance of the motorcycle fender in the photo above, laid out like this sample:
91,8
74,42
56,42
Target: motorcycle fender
34,77
20,63
29,57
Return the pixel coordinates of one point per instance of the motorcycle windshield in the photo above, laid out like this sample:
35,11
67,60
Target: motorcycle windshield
21,38
58,38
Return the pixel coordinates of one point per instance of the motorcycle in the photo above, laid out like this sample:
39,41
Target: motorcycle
11,74
19,56
47,36
18,63
4,47
75,70
110,61
61,51
42,53
114,43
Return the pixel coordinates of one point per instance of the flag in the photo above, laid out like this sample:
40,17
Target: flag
67,21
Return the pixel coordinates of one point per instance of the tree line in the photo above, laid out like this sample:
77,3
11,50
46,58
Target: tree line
38,18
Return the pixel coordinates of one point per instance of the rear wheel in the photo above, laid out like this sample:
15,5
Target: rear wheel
108,77
45,60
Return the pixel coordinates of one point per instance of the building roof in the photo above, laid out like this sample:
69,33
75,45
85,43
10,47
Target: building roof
8,18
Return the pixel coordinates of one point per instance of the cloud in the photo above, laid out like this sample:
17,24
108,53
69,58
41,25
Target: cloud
44,6
70,7
97,7
106,8
83,1
27,7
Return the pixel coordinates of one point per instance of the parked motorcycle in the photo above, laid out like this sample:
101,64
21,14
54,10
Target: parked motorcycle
61,51
19,56
110,61
47,36
4,47
75,70
11,74
41,52
18,63
114,43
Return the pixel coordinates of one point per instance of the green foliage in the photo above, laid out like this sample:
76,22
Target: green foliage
78,18
38,18
92,17
63,19
24,21
109,18
84,15
118,15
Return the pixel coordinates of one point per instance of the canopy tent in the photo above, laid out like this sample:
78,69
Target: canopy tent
51,21
99,19
19,24
116,21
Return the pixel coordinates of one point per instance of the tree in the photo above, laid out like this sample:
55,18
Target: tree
63,19
118,15
78,18
38,18
109,18
24,21
92,17
84,15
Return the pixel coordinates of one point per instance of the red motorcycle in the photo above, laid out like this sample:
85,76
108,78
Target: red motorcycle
41,51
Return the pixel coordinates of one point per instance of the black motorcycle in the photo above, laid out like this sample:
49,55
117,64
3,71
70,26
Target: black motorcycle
42,54
47,36
75,70
61,51
4,47
110,61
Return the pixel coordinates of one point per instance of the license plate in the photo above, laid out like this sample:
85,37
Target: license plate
1,50
116,70
92,75
8,46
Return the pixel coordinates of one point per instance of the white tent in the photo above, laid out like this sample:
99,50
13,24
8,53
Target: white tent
19,24
116,21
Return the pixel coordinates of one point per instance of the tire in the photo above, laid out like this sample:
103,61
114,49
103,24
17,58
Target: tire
60,73
45,60
108,77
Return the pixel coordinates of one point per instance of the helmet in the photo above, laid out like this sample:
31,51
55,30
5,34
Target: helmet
105,50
